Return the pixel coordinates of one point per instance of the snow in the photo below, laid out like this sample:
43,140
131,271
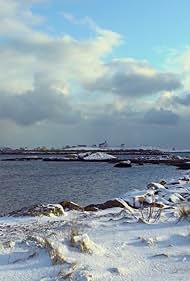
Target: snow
114,244
155,186
99,156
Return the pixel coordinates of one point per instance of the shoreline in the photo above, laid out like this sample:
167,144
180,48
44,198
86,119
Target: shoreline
139,158
151,196
122,239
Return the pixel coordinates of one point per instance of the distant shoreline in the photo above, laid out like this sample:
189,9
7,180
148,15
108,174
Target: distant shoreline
83,150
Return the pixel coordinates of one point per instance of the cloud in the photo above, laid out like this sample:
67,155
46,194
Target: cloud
43,103
185,100
17,19
57,89
161,117
59,57
133,78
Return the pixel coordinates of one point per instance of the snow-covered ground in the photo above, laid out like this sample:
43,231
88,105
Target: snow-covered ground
114,244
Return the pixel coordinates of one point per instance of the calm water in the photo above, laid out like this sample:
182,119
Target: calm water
26,183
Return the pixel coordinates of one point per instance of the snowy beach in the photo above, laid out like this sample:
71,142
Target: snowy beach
143,241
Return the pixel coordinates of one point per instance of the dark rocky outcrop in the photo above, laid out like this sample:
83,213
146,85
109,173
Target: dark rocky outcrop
106,205
69,205
40,210
184,166
123,164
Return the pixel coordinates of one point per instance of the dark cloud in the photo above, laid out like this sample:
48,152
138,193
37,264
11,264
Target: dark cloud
185,100
40,104
133,79
161,117
116,127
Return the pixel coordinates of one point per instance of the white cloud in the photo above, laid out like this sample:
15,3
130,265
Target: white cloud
46,82
24,51
16,18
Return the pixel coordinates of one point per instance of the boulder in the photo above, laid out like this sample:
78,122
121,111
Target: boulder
155,186
91,208
163,182
69,205
40,210
184,166
115,203
123,164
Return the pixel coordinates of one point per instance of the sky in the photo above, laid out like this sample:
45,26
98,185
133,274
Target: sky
84,71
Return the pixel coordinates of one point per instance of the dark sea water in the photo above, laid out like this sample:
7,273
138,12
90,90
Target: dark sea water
30,182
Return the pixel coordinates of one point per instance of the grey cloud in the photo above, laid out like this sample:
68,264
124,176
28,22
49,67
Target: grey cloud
40,104
161,117
116,128
131,79
185,100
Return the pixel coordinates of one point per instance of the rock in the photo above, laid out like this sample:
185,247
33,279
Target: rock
148,200
140,201
109,204
155,186
163,182
86,245
40,210
123,164
69,205
184,166
91,208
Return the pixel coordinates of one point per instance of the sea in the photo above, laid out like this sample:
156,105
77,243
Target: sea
25,183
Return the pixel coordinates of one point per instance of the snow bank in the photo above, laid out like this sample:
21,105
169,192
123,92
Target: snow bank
99,156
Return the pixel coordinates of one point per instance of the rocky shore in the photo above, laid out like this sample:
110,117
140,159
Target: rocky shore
162,195
144,236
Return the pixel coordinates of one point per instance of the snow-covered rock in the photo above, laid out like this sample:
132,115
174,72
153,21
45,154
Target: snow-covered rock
99,156
40,210
86,245
155,186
